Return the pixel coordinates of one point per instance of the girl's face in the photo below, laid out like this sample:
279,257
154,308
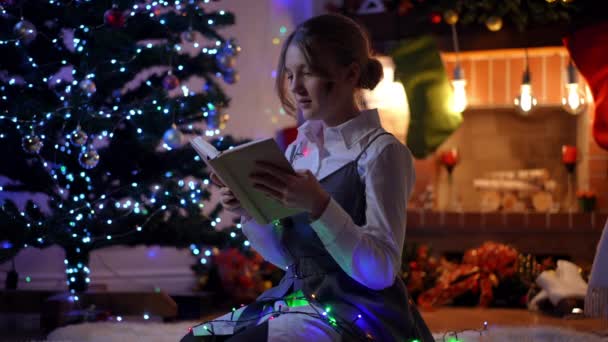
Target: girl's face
317,97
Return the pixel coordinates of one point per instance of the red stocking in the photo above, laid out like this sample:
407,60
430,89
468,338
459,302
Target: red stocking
588,49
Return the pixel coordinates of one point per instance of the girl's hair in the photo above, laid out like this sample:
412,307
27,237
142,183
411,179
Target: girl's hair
335,38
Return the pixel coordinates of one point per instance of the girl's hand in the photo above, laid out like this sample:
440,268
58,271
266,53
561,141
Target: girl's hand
300,190
227,198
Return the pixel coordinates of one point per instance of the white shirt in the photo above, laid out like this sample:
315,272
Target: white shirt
370,254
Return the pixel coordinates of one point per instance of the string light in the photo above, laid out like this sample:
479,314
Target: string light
76,196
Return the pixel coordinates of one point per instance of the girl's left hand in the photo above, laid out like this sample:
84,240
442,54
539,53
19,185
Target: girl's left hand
300,190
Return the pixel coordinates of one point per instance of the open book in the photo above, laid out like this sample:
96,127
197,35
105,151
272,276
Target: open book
233,167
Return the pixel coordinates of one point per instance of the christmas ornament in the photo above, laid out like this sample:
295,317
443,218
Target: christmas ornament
232,47
170,82
404,7
550,1
450,17
88,158
173,137
223,120
188,36
371,6
212,120
231,77
225,61
88,87
114,17
78,137
26,31
32,144
494,23
157,10
435,18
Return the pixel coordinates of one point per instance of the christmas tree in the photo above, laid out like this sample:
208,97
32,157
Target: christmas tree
95,110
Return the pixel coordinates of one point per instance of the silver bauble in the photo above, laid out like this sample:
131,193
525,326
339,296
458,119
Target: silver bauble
78,137
88,87
231,77
173,137
233,47
88,158
226,61
32,144
170,82
25,30
188,36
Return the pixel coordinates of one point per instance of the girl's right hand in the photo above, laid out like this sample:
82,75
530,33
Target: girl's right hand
227,198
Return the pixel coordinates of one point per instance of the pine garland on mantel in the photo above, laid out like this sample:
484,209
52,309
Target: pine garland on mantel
518,13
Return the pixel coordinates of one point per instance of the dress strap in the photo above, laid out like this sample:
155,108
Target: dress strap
294,151
369,143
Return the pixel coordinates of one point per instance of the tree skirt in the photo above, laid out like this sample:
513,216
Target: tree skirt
155,331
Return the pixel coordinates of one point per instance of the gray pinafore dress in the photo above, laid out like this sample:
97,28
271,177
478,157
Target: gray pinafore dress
360,313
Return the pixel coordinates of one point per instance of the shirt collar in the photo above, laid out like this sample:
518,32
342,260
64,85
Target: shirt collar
350,131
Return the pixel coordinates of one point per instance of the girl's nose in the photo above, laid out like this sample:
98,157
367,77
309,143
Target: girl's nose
296,85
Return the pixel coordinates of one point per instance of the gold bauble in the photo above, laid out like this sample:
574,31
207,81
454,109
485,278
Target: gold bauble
494,23
450,17
550,1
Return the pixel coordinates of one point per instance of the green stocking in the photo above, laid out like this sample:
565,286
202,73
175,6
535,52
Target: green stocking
429,93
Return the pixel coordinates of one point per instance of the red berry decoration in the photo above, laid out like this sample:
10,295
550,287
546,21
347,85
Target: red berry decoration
114,17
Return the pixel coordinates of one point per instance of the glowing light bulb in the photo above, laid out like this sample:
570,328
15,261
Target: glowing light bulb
525,102
460,94
574,102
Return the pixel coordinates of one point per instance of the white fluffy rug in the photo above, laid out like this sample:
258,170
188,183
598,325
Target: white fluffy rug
154,331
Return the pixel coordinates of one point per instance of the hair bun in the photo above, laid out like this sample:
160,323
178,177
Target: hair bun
371,74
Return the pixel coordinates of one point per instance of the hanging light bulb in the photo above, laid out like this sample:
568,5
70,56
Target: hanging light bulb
460,93
525,102
458,83
574,101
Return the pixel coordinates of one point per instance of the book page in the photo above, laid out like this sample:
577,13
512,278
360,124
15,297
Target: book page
240,162
203,148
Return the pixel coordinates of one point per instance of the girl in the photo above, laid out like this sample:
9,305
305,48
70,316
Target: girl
342,256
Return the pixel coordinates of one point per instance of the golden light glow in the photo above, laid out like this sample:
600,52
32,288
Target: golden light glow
391,101
525,102
460,95
574,101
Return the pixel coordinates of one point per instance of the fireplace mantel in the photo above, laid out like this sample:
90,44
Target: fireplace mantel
571,235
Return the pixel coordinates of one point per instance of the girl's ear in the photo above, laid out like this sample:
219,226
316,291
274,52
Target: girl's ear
353,72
